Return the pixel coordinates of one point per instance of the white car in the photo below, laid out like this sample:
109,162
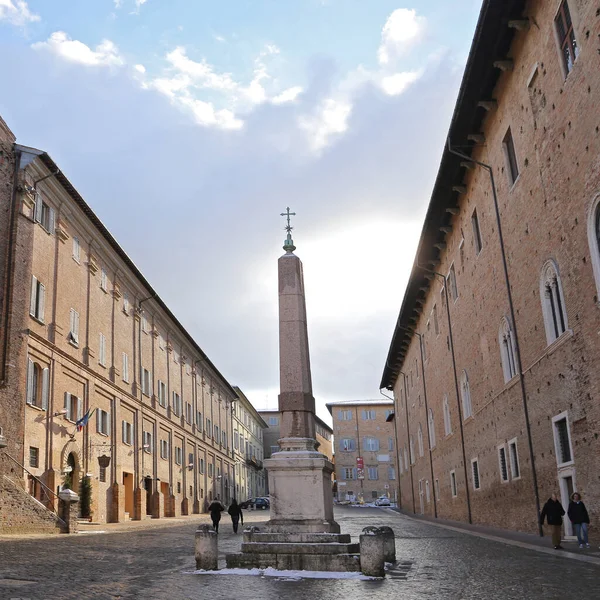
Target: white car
383,501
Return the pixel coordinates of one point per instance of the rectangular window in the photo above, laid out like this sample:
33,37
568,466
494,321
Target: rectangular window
502,464
391,473
44,214
189,413
437,489
102,351
125,368
512,166
452,287
127,433
453,483
345,415
147,442
427,493
371,444
191,460
236,440
211,468
368,415
73,405
73,335
347,445
348,473
372,473
102,422
162,393
102,474
178,455
37,300
34,457
216,433
145,325
126,303
515,471
161,341
176,404
566,37
224,439
208,427
103,280
475,470
201,466
476,232
199,421
146,382
76,249
391,444
562,441
164,449
273,421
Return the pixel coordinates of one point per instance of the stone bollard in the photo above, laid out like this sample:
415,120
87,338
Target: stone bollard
390,544
372,552
68,510
207,553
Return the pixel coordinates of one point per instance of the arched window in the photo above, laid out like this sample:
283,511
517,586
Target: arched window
594,239
420,440
412,450
447,421
465,392
431,429
553,302
506,340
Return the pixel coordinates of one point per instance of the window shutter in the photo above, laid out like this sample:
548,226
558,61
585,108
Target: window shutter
72,321
45,387
68,405
38,208
98,421
343,474
76,325
79,408
376,448
41,301
354,473
124,432
107,423
33,296
51,220
30,375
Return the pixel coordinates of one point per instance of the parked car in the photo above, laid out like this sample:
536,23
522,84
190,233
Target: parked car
247,503
383,501
262,503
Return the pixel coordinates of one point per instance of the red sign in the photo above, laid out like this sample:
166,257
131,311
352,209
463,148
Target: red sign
360,467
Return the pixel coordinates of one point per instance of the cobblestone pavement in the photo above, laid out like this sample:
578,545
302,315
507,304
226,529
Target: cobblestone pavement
155,563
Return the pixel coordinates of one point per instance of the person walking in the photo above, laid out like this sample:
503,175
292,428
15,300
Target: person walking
553,511
579,517
235,512
215,508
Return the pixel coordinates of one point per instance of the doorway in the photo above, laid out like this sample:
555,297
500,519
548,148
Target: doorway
148,488
165,499
128,487
566,481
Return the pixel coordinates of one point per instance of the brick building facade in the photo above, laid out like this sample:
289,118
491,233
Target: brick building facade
494,360
84,333
362,432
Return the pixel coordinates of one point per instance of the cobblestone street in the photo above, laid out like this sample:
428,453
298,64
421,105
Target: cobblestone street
154,561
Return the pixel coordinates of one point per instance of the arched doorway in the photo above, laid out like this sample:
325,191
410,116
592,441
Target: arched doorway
71,473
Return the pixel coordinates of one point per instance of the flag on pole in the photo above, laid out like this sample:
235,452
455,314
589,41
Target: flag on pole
81,423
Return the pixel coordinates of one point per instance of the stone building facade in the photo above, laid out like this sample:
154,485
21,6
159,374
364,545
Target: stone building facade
494,361
248,426
365,450
88,335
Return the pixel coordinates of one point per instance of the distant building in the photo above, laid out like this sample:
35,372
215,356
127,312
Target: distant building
248,427
365,449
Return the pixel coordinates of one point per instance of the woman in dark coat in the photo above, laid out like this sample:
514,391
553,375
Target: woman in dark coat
215,508
554,512
236,514
579,517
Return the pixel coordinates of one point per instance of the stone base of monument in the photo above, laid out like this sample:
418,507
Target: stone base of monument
296,552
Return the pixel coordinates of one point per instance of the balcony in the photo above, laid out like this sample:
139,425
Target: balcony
252,461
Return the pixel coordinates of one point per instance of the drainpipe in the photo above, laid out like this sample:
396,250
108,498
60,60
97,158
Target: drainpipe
412,483
460,415
490,171
398,474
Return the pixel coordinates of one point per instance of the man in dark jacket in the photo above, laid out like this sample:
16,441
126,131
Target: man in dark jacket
579,517
554,512
216,508
236,514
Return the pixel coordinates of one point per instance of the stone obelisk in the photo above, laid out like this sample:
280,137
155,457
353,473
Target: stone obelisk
299,476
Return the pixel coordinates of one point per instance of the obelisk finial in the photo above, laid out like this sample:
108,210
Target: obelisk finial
288,245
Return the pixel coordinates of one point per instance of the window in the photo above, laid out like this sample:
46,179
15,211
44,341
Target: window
453,484
76,249
368,415
510,156
145,325
476,232
348,473
391,444
210,469
126,303
44,214
127,433
371,444
216,434
201,466
437,489
436,325
373,473
103,280
38,385
224,439
146,382
191,461
176,404
164,449
553,303
420,440
391,473
37,300
347,445
178,455
273,421
566,37
189,412
34,457
73,406
447,421
199,421
73,335
515,472
507,350
406,462
162,393
452,287
102,474
502,464
102,422
208,427
161,341
102,351
147,442
465,392
345,415
412,450
431,424
475,471
427,493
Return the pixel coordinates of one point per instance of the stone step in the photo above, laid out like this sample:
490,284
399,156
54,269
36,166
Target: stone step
294,562
290,548
297,538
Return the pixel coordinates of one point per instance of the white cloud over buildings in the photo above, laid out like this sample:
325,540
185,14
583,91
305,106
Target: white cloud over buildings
60,44
16,12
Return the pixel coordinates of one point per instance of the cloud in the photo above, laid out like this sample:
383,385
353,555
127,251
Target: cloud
329,118
395,84
402,29
288,95
16,12
59,43
140,68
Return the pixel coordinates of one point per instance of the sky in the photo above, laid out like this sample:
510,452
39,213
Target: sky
190,125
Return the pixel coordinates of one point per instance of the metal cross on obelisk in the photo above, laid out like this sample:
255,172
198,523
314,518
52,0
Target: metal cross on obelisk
288,245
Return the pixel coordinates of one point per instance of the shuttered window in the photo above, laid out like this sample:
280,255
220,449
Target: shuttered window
125,367
102,351
37,299
73,407
127,433
102,422
73,335
38,385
